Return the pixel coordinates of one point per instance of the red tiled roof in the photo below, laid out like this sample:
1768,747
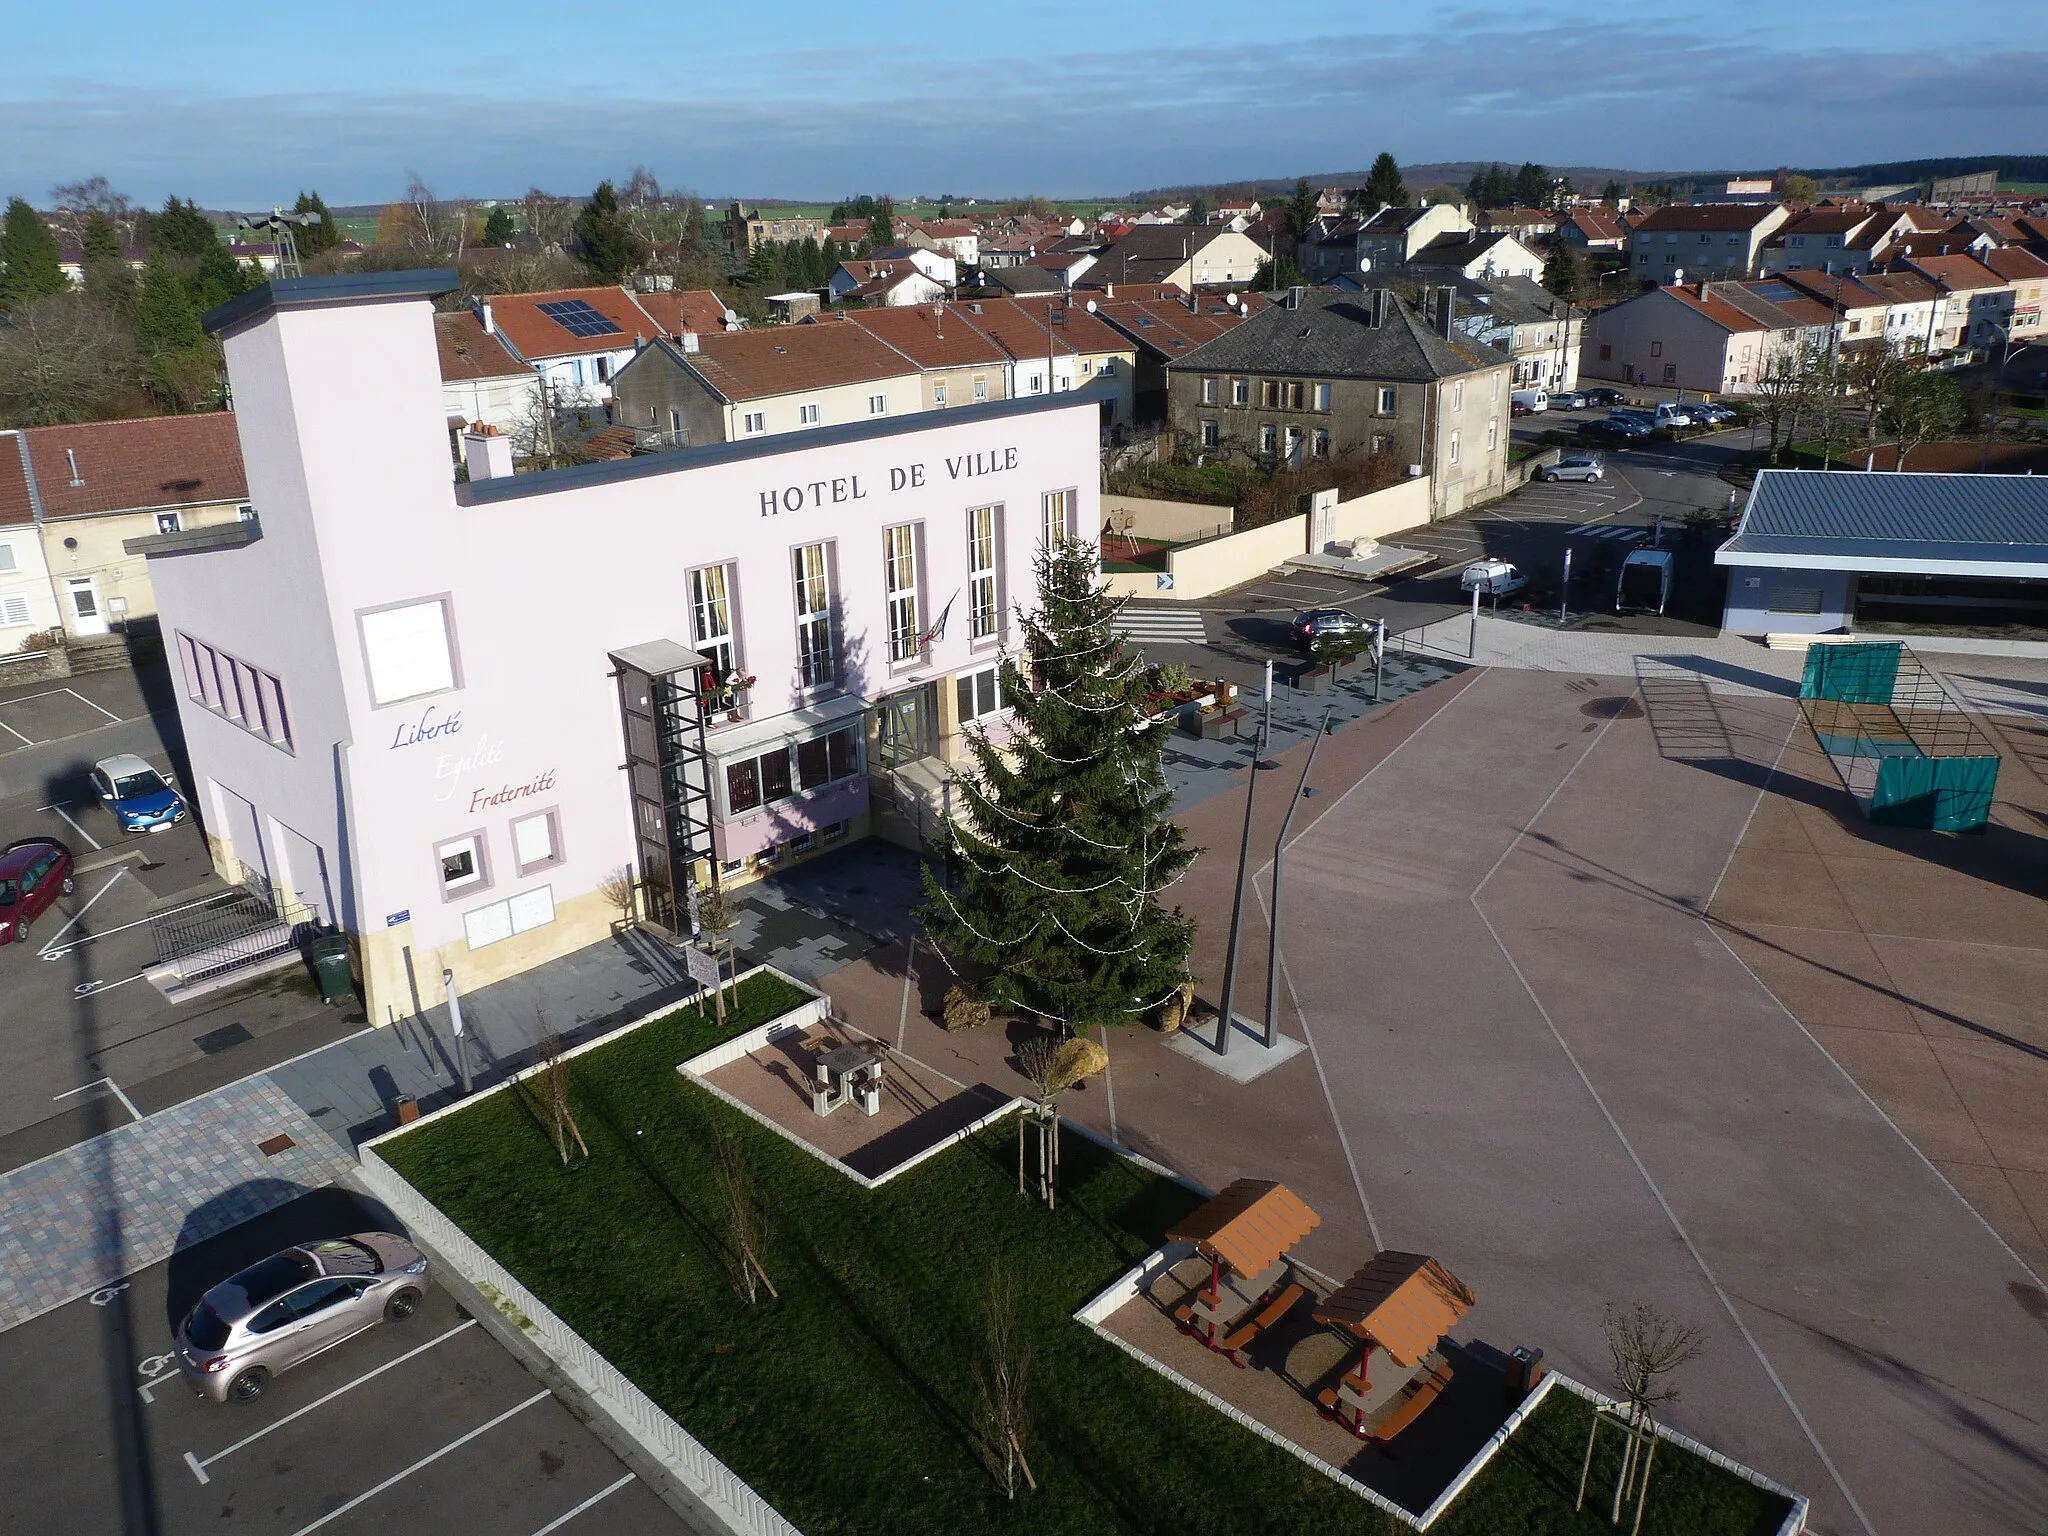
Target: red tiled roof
930,335
132,466
1715,308
535,335
749,365
1599,223
1958,272
1018,326
684,309
14,502
1166,325
468,351
2014,264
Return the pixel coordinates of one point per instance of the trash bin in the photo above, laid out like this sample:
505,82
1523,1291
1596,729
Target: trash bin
328,953
404,1109
1524,1370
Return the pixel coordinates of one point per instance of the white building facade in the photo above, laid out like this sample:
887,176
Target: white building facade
409,702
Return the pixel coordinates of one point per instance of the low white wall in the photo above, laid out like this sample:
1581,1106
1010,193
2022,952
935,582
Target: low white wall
1177,521
1381,513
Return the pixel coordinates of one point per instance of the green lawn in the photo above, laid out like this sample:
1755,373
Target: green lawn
849,1403
1529,1486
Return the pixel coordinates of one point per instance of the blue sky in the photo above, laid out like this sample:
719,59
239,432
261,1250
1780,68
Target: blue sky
241,105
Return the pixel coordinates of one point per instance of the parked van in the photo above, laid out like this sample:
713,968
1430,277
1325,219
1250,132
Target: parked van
1645,584
1531,400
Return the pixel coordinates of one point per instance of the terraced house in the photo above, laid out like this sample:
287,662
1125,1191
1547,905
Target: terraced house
1331,374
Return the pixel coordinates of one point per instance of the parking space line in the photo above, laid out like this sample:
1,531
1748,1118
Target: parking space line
72,1093
596,1498
425,1461
10,730
90,704
199,1467
74,826
49,951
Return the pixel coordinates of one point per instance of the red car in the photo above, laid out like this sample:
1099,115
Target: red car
33,873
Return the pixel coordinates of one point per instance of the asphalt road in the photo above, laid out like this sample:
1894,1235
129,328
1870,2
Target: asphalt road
81,1024
426,1426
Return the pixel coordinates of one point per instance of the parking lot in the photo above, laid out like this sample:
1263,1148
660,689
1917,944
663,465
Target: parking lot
424,1426
88,1039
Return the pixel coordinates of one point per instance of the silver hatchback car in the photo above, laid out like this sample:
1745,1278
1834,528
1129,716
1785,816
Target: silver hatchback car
293,1306
1573,466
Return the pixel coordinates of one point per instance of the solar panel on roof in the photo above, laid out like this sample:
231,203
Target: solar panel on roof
577,318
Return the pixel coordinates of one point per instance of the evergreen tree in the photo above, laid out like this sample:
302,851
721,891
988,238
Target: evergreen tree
881,226
312,239
1532,186
498,229
812,266
1561,271
603,241
1612,194
1198,209
182,230
1301,208
165,319
99,240
1065,841
28,257
217,277
1383,184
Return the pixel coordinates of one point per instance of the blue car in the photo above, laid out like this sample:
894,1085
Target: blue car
138,797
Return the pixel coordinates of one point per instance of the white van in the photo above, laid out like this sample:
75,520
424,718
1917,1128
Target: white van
1531,400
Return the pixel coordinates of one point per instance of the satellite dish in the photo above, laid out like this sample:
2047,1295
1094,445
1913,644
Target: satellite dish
1678,276
1091,306
1365,263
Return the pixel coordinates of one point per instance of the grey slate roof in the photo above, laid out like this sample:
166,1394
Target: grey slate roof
1332,334
1510,300
1894,521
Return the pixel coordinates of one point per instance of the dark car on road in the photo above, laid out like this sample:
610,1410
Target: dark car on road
1605,396
33,873
1613,433
1317,628
293,1306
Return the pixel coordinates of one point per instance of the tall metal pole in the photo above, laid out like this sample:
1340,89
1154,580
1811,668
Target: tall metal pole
1244,854
1379,660
1279,849
455,1021
1564,599
1472,644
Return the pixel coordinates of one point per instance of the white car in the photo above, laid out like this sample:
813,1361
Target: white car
1492,578
1573,466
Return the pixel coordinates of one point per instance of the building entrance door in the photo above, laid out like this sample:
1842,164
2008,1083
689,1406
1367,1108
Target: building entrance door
86,618
900,731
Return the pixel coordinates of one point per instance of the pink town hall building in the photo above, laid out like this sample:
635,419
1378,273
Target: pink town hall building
443,715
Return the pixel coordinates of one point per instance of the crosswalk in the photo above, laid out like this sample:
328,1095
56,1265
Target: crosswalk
1161,626
1621,532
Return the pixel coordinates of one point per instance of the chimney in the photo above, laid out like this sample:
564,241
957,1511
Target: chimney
487,452
1376,308
690,343
1703,288
483,310
1446,311
71,458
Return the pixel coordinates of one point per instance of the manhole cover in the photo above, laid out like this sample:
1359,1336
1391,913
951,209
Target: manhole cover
1612,709
273,1145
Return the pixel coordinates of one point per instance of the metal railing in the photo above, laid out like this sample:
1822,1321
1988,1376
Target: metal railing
246,923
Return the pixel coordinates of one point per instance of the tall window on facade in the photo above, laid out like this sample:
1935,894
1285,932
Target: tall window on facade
899,569
813,578
981,572
1053,513
711,607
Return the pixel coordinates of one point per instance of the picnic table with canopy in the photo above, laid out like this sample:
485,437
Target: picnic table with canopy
1402,1304
1244,1233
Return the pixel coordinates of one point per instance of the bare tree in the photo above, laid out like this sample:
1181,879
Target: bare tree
554,1093
745,1220
75,200
426,228
1052,1066
1001,1369
1784,385
545,218
1644,1347
62,358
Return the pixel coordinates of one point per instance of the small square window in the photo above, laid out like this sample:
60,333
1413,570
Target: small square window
535,842
462,863
807,414
168,522
878,405
754,422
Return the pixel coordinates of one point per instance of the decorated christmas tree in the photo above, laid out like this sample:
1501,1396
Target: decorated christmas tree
1062,845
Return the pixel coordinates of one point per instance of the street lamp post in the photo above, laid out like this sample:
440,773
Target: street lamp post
1244,854
1279,852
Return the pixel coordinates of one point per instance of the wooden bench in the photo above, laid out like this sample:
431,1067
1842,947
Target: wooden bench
1268,1315
1420,1394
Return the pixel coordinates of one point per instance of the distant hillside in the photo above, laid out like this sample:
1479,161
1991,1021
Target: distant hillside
2009,167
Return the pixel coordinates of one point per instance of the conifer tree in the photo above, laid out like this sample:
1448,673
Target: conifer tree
166,322
99,240
602,237
312,239
1383,184
498,228
28,257
1064,843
